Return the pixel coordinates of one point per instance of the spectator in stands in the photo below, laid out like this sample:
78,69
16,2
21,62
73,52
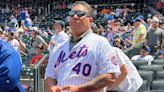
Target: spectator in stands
36,40
140,31
127,37
118,42
149,23
162,25
110,32
13,22
159,5
38,55
13,41
59,35
144,55
104,10
143,22
159,16
155,37
101,31
118,11
161,56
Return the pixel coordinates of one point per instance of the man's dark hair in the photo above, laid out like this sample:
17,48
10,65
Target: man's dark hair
85,4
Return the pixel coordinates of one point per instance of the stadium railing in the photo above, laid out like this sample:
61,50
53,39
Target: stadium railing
33,77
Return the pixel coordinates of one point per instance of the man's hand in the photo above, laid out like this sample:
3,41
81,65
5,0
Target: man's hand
72,88
112,85
55,89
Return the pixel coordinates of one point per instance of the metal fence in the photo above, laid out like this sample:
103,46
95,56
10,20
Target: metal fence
33,77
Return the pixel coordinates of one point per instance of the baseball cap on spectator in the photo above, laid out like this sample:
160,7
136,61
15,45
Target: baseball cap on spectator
62,23
146,48
141,16
117,36
137,19
36,29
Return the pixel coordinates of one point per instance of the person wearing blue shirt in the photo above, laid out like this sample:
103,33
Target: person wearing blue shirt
10,69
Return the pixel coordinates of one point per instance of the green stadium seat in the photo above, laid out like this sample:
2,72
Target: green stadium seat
158,61
138,63
144,86
158,85
151,67
159,75
147,75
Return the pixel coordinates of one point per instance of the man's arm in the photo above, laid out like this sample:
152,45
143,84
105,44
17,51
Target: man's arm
140,38
122,76
98,83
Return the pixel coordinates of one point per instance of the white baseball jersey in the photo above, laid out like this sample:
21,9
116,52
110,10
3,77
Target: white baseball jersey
89,58
133,81
148,58
59,38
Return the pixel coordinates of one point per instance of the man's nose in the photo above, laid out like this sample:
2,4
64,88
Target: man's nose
75,16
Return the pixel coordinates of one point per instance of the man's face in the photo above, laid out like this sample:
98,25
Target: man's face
79,19
143,52
155,24
57,27
136,23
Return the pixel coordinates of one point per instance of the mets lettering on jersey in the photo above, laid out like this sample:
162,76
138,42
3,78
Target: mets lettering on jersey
80,53
88,59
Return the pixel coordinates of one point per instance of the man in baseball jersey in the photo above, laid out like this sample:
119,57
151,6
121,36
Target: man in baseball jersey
83,63
59,35
129,79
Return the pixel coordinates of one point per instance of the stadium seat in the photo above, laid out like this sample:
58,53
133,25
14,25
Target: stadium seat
158,84
151,67
147,75
158,61
159,75
144,86
24,59
138,63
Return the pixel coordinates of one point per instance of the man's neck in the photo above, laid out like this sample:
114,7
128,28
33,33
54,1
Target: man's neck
58,32
81,35
154,28
143,55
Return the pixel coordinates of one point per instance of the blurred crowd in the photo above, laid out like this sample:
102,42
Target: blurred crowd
124,28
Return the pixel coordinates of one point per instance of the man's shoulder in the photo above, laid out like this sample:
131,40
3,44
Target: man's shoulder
160,30
135,57
63,34
149,56
142,26
97,37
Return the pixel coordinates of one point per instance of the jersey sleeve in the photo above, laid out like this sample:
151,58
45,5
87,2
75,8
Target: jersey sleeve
120,56
107,62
